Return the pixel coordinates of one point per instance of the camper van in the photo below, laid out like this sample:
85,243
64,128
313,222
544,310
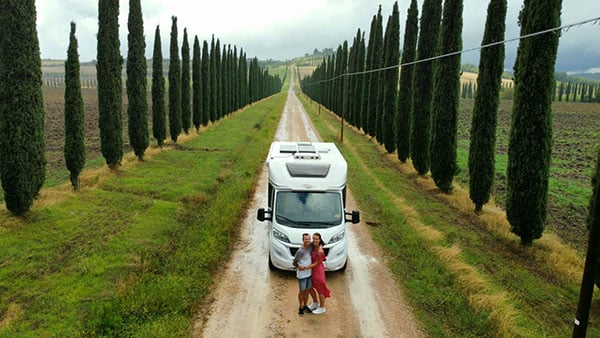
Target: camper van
306,194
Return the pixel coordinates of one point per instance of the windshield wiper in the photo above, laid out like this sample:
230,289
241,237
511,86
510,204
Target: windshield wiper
286,219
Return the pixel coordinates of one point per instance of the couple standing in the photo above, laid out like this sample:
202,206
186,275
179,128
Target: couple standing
311,274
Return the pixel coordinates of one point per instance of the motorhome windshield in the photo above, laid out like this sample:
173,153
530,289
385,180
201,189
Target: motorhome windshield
308,209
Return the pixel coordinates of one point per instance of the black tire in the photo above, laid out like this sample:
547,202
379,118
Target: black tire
343,269
271,266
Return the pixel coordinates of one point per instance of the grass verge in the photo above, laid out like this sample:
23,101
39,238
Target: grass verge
134,253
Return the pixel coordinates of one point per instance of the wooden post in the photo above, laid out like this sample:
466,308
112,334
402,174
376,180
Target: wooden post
589,271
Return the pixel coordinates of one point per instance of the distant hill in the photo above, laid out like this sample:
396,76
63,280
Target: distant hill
587,76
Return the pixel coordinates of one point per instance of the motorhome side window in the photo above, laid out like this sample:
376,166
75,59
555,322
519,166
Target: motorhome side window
308,209
270,196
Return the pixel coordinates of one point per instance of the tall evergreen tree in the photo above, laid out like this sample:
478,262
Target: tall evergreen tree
424,84
337,96
213,81
219,82
235,81
205,79
390,80
137,108
483,126
243,79
530,142
446,98
561,91
196,85
22,149
367,89
108,70
360,79
74,148
159,120
174,84
375,81
405,96
186,112
350,80
225,73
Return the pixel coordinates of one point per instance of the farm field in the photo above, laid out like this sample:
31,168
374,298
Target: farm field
575,145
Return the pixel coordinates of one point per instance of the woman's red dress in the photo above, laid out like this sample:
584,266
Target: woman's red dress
318,274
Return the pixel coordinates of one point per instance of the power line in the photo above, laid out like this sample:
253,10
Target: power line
593,21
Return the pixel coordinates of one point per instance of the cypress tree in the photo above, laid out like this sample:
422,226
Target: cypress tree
561,91
360,79
225,81
483,126
530,142
420,137
446,98
405,96
159,126
244,78
350,81
213,81
344,80
233,83
74,148
390,80
366,107
108,70
196,85
22,149
205,79
218,82
174,85
186,112
337,96
137,108
375,81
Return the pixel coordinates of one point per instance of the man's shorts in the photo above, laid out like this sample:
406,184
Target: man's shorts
305,283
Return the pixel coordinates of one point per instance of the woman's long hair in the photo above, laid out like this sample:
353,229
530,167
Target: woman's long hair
320,239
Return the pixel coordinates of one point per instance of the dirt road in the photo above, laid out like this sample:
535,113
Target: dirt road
252,301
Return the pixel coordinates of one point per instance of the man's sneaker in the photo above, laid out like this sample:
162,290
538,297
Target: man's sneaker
307,309
318,311
300,311
313,306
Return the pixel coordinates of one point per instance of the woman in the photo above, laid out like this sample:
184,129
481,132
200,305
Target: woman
318,272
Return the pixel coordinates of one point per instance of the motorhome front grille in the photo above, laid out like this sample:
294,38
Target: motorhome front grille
294,250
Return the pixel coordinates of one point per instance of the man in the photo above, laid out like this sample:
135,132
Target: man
303,259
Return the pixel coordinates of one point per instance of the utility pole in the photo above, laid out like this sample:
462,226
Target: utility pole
589,270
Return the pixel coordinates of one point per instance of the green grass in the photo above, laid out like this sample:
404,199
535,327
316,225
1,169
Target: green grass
491,287
136,256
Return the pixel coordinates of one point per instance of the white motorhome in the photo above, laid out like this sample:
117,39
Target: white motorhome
306,194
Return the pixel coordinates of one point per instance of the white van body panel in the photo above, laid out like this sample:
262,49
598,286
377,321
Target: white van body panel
307,184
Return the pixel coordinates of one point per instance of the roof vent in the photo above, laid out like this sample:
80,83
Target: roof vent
308,169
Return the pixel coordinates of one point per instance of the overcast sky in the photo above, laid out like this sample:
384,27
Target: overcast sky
282,29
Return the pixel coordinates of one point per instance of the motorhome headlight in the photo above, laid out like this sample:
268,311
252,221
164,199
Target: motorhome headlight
280,236
337,237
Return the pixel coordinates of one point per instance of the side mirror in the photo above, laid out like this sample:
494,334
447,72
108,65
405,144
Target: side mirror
355,216
261,215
